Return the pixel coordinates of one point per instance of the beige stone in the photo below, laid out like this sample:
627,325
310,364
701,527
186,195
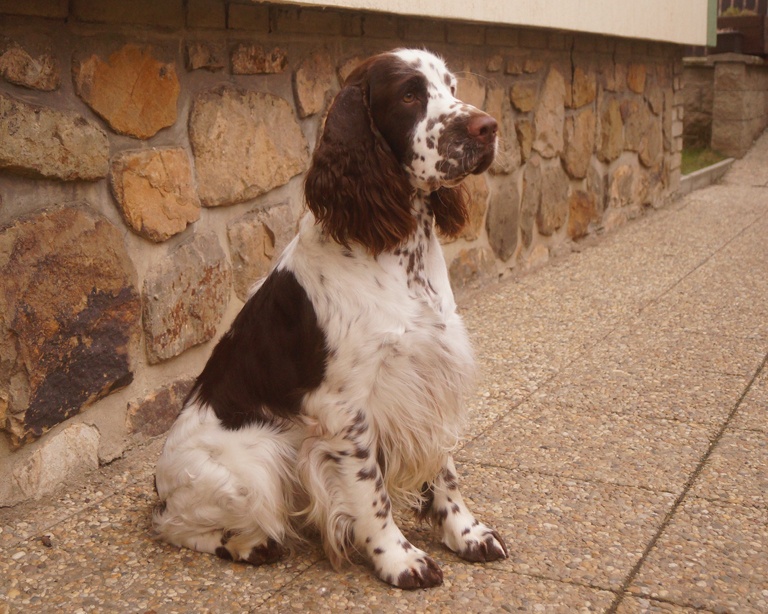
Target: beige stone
470,88
256,240
532,66
503,217
611,140
582,207
312,84
245,144
655,97
550,116
471,267
626,187
42,142
346,68
41,73
69,315
539,256
250,59
553,209
524,130
209,56
134,93
584,88
495,64
155,191
651,148
635,117
508,155
477,202
523,96
636,73
531,199
579,143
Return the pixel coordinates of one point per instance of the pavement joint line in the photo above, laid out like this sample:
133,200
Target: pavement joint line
496,566
688,486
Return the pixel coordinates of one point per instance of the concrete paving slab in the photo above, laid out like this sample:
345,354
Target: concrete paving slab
634,605
753,411
555,437
711,556
737,471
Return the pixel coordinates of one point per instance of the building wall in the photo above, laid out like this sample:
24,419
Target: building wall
151,165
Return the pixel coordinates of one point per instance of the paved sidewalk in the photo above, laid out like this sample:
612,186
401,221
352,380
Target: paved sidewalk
618,441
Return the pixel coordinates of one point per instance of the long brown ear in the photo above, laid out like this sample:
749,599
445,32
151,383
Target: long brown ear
449,206
355,187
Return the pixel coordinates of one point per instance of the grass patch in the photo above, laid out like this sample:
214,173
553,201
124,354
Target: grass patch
696,159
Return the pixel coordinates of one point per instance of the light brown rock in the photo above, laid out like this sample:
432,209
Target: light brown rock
532,66
69,314
553,209
471,267
312,84
495,64
523,96
205,55
579,143
655,97
184,297
626,187
502,222
651,148
477,202
42,142
550,116
524,130
636,77
508,155
155,191
635,117
245,144
256,240
611,140
250,59
41,73
346,68
134,93
584,88
582,207
531,199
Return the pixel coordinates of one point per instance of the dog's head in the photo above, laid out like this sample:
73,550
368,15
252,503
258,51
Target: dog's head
396,127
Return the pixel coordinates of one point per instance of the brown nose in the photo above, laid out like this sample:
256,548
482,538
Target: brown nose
482,128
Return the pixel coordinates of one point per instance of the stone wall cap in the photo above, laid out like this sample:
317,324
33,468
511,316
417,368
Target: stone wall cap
711,60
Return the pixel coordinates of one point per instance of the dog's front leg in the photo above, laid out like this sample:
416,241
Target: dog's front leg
352,507
461,532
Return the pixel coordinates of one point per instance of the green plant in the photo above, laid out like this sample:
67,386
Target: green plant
735,12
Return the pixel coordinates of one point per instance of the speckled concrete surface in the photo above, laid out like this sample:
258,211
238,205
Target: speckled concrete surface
618,440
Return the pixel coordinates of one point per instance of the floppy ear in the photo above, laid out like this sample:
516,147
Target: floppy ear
355,187
449,206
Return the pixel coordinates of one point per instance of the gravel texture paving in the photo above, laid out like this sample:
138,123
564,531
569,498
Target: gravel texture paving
617,440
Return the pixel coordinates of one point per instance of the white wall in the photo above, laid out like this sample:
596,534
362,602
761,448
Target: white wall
677,21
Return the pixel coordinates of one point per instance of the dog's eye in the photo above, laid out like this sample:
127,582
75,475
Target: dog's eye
409,97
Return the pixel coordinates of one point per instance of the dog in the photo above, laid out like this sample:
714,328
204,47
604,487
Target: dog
338,390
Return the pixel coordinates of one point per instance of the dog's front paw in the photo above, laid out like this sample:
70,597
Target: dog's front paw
410,568
476,543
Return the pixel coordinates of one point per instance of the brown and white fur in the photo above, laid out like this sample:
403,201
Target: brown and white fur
338,392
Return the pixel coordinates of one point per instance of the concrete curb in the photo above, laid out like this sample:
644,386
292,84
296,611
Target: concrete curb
704,177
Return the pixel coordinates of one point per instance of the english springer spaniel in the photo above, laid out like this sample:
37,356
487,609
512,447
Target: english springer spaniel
338,391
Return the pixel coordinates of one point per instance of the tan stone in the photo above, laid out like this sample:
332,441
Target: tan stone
155,191
470,88
523,96
347,67
69,315
584,88
635,117
209,56
651,148
579,143
627,187
636,77
471,268
508,155
477,202
495,64
531,199
312,84
41,73
41,142
553,209
245,144
582,207
255,241
503,217
538,257
532,66
611,131
550,116
135,93
524,130
250,59
655,97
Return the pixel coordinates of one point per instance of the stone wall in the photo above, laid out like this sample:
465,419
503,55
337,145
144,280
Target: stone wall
726,102
151,165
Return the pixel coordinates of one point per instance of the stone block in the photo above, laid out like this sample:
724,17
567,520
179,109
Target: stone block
205,55
184,297
731,105
308,21
69,314
471,268
579,143
251,59
550,116
731,76
635,117
495,64
501,35
424,30
155,191
169,13
465,34
206,14
523,95
53,9
611,141
477,203
18,67
133,92
585,43
553,209
732,138
508,154
557,41
531,199
254,17
42,142
226,122
582,208
533,39
155,413
524,129
503,220
584,87
636,74
256,240
312,82
380,26
651,149
64,456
